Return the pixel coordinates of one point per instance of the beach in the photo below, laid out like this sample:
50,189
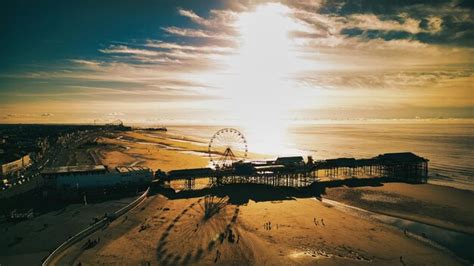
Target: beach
28,242
174,232
267,132
431,204
273,228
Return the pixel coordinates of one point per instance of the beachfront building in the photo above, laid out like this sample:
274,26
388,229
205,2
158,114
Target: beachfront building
290,161
405,166
14,167
89,177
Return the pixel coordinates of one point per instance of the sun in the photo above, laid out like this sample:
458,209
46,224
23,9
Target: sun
259,86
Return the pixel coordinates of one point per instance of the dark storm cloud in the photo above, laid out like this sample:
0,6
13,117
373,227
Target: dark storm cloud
381,7
375,34
440,21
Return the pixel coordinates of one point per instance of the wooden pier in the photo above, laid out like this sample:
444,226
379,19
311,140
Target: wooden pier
295,172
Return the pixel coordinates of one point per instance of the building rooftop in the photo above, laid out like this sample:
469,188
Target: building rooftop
401,157
291,159
74,169
270,167
128,169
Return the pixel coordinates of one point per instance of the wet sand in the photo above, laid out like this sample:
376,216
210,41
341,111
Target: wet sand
286,230
431,204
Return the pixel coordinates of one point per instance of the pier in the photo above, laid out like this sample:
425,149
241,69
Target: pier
296,172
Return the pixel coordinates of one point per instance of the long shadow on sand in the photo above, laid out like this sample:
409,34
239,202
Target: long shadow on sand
237,194
166,257
242,193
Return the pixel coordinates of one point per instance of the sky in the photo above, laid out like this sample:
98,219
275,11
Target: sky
249,62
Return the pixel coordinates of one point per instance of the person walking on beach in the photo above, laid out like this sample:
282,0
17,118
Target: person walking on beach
267,226
401,260
218,254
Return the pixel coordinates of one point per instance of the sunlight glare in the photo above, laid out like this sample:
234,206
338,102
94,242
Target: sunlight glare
259,86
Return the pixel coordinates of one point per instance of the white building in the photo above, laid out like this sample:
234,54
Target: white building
15,166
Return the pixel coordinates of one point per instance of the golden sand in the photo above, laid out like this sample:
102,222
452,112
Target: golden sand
283,231
300,231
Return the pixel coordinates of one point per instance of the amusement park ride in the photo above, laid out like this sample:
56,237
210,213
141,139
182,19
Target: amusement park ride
226,147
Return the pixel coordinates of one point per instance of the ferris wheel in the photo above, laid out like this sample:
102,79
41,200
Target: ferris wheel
227,146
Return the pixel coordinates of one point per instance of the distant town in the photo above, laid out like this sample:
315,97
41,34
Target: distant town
26,149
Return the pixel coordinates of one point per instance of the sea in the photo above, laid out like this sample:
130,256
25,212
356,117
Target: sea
448,144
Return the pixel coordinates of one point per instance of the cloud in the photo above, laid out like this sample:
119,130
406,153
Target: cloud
348,50
122,49
26,115
373,22
193,16
220,21
434,24
441,22
115,114
305,4
85,62
414,80
190,49
187,32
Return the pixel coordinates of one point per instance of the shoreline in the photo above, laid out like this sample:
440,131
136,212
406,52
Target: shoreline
423,235
180,144
451,184
411,219
425,203
299,240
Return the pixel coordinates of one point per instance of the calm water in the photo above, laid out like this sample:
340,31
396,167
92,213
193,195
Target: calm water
448,145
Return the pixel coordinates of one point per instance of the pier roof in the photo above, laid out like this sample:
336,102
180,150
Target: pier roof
401,157
289,160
